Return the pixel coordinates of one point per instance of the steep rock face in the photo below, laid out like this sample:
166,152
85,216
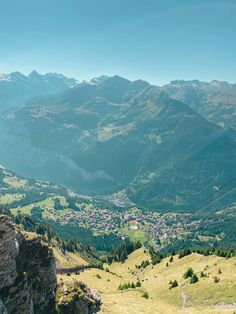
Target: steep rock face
8,252
35,258
28,282
77,298
27,272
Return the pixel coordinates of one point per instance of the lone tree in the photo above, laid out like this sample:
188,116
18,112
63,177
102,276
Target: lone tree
189,273
173,284
194,279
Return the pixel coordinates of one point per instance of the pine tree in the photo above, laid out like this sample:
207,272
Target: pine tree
194,279
189,273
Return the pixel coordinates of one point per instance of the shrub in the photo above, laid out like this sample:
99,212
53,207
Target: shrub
216,279
185,252
194,279
173,284
189,273
138,284
132,285
202,274
145,295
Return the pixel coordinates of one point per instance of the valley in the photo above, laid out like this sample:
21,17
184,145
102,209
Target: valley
111,134
118,157
95,220
121,185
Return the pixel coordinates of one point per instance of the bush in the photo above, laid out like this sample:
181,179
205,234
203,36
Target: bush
173,284
216,279
185,252
145,295
138,284
129,285
194,279
189,273
202,275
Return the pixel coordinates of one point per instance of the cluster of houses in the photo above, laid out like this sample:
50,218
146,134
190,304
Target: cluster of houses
158,227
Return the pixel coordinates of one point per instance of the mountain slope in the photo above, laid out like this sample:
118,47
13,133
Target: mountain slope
114,134
215,100
16,88
205,296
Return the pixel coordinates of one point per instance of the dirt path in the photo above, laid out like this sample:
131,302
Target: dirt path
184,298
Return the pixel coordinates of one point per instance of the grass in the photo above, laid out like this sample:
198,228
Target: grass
136,235
9,198
205,297
15,182
24,210
68,260
46,204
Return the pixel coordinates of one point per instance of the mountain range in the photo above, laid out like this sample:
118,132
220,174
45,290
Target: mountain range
214,100
164,147
17,88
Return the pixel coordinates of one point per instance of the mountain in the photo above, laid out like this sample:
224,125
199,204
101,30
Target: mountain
214,100
16,88
113,134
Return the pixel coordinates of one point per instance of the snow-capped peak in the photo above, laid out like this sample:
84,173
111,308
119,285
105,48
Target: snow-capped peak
4,77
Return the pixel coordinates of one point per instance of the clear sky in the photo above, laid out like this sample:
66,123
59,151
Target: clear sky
156,40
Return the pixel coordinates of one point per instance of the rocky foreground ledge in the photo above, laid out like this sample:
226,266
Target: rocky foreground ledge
28,282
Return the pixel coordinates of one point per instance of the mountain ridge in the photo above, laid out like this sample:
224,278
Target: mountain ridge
116,134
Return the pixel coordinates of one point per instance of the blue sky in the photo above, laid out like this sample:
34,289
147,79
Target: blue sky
156,40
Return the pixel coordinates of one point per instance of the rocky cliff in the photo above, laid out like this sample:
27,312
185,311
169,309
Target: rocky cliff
28,281
75,297
27,272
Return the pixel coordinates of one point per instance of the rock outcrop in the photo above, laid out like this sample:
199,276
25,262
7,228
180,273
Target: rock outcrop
28,282
76,297
27,272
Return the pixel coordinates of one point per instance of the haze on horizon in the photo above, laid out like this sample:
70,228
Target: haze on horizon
155,40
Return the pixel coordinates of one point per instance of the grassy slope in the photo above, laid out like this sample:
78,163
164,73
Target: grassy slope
203,297
69,259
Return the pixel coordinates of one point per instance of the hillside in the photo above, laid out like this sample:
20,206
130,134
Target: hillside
72,215
112,134
205,296
103,222
215,100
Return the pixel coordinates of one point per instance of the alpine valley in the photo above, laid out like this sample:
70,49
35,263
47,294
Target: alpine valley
111,134
116,196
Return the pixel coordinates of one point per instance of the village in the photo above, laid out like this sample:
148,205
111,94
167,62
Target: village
159,228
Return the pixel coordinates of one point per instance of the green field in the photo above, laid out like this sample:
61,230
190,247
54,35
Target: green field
137,235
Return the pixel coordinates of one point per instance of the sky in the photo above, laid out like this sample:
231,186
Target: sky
155,40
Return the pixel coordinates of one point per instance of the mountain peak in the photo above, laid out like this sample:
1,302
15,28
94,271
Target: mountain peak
34,74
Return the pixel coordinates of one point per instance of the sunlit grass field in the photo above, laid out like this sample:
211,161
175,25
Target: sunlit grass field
203,297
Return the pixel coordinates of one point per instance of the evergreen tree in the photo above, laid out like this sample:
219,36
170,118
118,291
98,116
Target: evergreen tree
194,279
189,273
